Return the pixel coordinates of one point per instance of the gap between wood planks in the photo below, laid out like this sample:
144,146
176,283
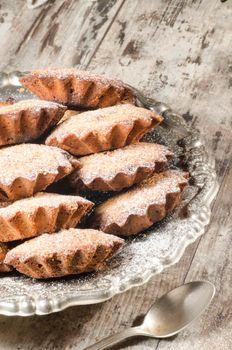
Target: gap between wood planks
104,35
39,18
221,188
42,13
193,251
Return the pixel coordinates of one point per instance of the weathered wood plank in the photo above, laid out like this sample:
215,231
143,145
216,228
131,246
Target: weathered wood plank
213,262
61,33
16,24
177,51
196,81
79,326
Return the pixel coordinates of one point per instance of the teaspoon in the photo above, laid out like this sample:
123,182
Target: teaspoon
168,315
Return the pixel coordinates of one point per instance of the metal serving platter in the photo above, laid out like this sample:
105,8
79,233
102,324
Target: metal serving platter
143,256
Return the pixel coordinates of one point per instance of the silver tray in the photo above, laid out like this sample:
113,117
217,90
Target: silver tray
144,256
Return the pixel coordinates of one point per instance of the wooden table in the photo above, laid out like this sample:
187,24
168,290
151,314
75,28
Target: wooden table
180,52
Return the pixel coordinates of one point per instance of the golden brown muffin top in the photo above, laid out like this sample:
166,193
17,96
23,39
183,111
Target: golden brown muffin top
64,73
33,105
139,198
127,160
29,160
62,243
103,119
42,199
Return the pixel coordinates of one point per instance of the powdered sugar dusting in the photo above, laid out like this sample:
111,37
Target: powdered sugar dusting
41,200
64,73
147,254
32,105
63,253
127,160
30,160
137,201
102,120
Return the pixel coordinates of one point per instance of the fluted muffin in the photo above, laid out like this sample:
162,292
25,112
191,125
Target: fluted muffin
67,252
77,88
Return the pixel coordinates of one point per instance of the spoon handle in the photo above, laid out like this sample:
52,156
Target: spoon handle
116,338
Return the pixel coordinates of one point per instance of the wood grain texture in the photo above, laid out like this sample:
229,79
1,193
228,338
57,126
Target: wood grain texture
60,33
180,52
212,261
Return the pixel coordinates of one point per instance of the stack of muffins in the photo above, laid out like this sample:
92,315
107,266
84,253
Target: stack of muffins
97,150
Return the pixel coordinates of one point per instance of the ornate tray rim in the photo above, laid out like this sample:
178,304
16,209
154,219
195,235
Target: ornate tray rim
28,306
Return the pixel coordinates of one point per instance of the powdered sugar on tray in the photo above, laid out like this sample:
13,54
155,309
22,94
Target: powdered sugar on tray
143,256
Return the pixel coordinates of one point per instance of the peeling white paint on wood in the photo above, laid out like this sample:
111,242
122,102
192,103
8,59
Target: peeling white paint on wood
180,52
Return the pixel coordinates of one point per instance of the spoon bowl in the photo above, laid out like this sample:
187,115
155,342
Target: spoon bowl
177,309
